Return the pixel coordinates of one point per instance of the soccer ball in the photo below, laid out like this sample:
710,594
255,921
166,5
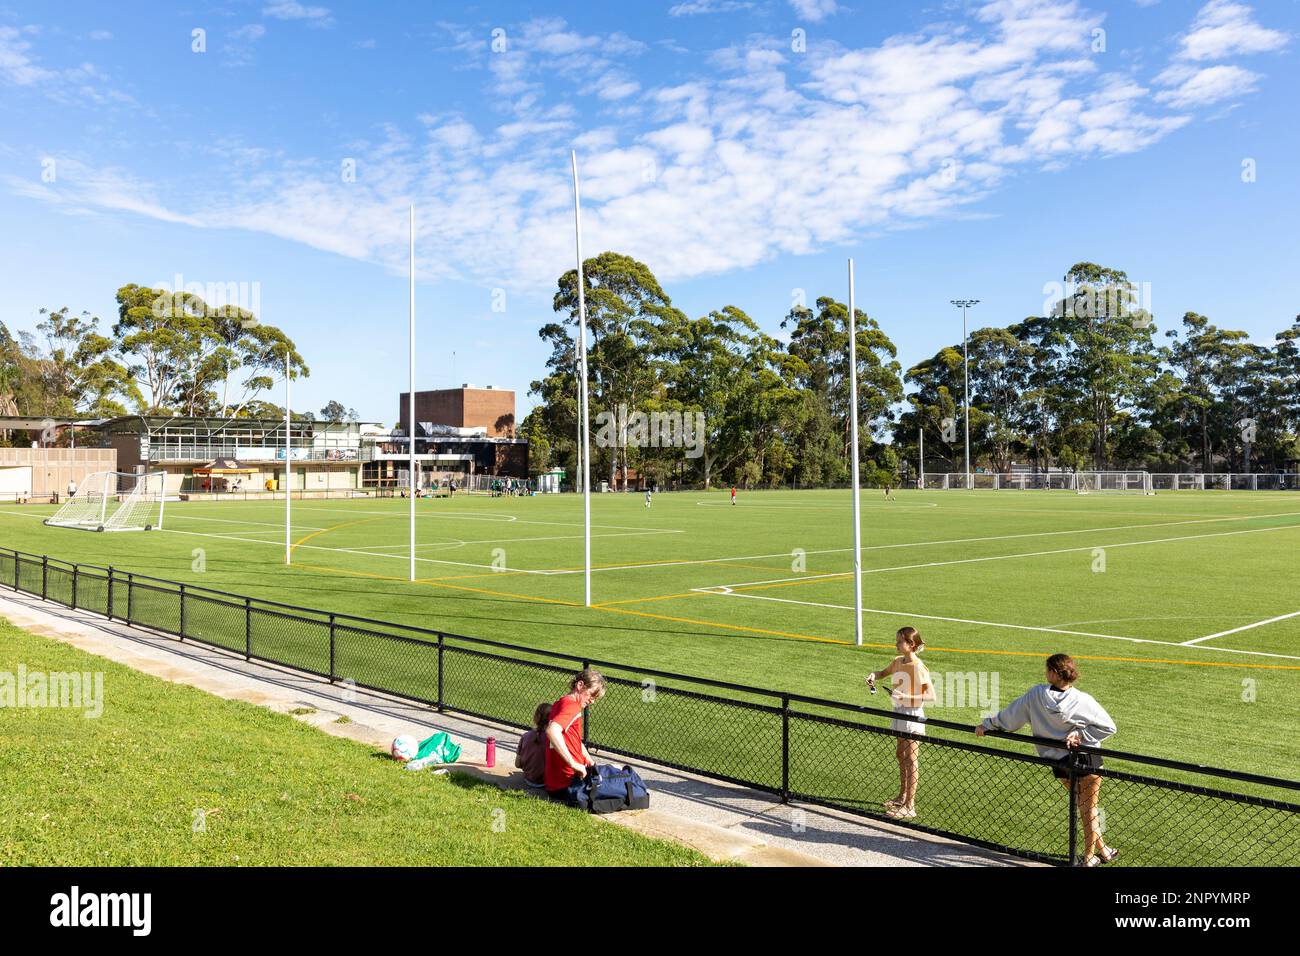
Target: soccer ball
405,747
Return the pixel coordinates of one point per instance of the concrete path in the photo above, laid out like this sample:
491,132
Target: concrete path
722,821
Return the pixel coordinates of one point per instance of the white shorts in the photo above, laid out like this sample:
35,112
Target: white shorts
908,726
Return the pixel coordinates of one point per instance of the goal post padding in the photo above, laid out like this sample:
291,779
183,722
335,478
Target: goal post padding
114,501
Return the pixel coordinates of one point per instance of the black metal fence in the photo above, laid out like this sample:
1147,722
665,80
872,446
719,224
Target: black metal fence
996,793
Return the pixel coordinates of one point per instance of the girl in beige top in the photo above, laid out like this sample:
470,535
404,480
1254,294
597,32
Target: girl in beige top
911,689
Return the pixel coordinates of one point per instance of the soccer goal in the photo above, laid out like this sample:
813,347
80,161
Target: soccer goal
114,501
1113,483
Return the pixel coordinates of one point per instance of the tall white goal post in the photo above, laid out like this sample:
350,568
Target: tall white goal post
115,501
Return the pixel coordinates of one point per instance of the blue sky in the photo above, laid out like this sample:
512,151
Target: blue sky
743,150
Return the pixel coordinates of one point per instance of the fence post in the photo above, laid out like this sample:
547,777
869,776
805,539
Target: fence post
331,648
248,628
18,563
441,644
1074,816
75,569
45,574
110,592
182,632
785,749
130,594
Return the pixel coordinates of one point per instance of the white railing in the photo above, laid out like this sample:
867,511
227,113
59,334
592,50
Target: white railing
1159,481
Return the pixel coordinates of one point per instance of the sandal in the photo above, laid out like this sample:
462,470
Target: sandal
892,803
900,813
1108,854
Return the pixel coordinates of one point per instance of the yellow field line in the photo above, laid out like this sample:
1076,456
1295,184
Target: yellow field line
656,597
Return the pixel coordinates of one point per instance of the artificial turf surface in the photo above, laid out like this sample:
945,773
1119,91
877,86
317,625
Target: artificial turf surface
761,593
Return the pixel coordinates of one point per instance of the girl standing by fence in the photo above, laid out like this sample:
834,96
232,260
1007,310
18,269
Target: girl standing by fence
1061,711
911,689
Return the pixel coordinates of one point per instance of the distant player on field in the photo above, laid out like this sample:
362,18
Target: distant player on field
889,490
647,496
733,494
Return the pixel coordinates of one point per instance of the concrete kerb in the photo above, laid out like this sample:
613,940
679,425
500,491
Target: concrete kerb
723,821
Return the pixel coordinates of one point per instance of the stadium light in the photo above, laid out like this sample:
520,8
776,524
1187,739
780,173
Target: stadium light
965,354
857,504
585,447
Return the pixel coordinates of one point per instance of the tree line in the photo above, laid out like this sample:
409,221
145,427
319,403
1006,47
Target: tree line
168,353
1093,384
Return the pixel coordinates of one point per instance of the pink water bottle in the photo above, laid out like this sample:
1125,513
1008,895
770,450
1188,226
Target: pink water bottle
491,752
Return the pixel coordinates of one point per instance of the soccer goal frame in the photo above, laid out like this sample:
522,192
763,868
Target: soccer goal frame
1113,483
115,501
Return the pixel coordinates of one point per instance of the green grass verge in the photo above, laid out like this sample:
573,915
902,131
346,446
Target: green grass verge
130,786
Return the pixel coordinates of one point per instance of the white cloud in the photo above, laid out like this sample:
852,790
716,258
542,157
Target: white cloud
692,8
1221,28
758,153
16,66
292,10
84,84
1209,85
238,47
814,11
1225,27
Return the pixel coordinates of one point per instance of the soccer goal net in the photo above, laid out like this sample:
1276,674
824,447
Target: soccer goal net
1113,482
114,501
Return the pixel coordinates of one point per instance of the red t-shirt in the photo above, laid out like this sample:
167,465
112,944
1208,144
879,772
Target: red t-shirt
568,715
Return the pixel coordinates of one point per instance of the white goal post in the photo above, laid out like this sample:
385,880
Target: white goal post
114,501
1114,483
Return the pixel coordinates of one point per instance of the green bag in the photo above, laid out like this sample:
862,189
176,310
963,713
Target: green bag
438,749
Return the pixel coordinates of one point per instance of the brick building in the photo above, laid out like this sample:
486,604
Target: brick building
464,407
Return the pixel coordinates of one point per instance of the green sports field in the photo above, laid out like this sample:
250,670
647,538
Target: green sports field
1182,608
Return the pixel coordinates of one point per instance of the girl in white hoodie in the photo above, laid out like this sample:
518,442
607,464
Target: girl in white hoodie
1059,711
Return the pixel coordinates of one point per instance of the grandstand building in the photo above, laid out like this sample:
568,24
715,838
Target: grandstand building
220,455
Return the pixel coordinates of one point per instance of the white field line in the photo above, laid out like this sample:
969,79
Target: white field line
269,524
472,516
1007,557
1238,630
367,554
404,549
724,592
926,544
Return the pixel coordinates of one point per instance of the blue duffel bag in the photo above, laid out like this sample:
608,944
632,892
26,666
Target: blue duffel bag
609,789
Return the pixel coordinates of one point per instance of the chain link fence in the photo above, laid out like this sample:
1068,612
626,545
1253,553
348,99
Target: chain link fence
994,793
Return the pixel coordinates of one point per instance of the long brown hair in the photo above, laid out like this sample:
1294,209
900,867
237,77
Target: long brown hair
913,637
542,716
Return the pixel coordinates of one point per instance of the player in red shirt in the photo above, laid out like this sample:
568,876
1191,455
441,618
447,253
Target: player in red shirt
567,756
733,495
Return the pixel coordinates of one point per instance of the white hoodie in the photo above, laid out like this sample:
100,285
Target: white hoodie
1055,714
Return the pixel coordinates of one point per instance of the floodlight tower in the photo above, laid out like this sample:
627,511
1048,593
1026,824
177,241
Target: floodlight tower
964,304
